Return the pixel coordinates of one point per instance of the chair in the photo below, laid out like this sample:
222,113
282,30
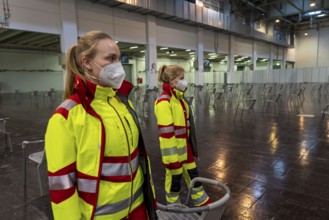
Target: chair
219,97
325,112
245,105
272,98
3,130
211,211
37,157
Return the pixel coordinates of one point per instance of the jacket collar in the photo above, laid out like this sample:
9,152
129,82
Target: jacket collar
172,91
90,90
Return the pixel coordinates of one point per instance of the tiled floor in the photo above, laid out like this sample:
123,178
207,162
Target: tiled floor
276,164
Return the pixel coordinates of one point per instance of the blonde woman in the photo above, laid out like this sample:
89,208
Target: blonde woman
173,115
92,143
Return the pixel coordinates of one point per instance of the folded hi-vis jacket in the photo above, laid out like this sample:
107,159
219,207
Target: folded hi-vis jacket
93,156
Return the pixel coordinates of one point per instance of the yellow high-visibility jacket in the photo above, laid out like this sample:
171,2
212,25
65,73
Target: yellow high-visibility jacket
93,157
172,114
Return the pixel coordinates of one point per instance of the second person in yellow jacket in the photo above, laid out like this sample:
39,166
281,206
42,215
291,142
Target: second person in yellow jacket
173,115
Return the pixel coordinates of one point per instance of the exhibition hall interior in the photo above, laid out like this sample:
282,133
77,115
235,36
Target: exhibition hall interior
258,88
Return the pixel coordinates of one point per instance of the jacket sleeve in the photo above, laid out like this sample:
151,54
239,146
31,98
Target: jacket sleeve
167,137
61,162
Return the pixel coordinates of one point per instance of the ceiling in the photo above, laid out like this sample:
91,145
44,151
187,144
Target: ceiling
296,14
291,13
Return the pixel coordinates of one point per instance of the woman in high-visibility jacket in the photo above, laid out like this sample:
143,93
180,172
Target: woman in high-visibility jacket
173,116
97,164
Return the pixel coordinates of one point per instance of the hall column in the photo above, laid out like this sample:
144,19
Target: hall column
199,75
69,34
231,53
151,52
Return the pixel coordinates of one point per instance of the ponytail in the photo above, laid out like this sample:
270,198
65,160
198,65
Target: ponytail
161,76
168,73
72,68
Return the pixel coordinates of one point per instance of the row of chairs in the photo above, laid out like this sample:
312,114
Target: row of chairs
37,157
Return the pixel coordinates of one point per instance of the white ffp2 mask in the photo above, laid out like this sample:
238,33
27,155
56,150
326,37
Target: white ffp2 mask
181,85
111,75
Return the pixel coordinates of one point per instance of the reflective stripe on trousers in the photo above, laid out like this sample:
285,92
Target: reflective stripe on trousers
118,206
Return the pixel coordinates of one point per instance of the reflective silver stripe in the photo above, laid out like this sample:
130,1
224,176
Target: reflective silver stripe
173,150
168,129
201,199
67,104
164,96
118,206
119,169
86,185
181,151
169,151
173,195
196,190
180,131
62,182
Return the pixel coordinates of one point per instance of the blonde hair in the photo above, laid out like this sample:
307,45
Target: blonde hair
85,48
170,72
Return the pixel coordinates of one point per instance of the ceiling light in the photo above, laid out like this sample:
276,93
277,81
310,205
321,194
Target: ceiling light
164,48
133,47
277,20
167,52
314,13
305,33
199,3
188,50
173,55
142,51
312,4
321,15
191,53
116,41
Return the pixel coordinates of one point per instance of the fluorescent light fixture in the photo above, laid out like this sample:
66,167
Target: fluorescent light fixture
188,50
321,15
167,52
173,55
142,51
133,47
314,13
164,48
277,20
305,33
312,4
199,3
211,54
278,64
191,53
116,41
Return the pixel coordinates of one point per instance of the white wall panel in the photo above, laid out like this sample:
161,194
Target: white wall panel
262,49
120,24
291,54
209,40
243,46
176,35
34,15
323,47
213,39
306,49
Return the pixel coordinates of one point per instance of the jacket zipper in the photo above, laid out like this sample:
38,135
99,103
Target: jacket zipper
129,158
